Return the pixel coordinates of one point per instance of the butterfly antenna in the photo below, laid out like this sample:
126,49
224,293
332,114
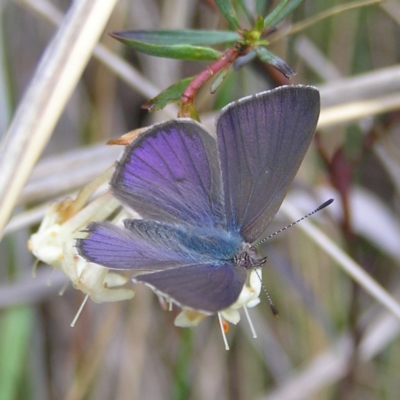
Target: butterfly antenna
271,303
321,207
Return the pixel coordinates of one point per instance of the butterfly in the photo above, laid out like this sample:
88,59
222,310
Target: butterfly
205,199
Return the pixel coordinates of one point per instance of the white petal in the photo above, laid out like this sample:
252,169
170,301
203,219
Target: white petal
188,318
231,315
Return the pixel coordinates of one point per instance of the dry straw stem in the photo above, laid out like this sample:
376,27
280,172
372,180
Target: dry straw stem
331,365
359,109
392,8
303,25
115,63
54,80
69,171
348,99
131,371
94,354
359,88
369,284
324,369
26,218
30,291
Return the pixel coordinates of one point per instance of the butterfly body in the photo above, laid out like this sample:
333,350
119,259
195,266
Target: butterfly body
217,246
195,244
205,200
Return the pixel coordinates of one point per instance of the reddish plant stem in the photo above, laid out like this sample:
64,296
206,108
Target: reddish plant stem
226,59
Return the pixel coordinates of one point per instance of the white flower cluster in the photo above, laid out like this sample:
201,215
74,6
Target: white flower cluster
54,243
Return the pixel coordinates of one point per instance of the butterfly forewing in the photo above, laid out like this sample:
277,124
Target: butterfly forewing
262,141
171,174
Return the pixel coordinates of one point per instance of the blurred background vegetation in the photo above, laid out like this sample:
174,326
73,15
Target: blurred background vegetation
332,340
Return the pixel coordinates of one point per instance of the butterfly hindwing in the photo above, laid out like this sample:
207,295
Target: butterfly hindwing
203,287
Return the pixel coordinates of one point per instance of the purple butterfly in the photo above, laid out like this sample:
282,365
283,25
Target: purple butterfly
205,200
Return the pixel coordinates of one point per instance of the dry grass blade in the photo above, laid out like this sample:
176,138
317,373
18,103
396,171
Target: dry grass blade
115,63
324,369
29,291
56,76
361,87
369,284
330,366
94,354
357,110
70,171
26,218
301,26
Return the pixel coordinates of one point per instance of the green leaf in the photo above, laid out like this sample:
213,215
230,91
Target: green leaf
166,37
281,11
176,44
227,10
243,60
219,78
16,326
259,25
181,52
261,6
170,95
270,58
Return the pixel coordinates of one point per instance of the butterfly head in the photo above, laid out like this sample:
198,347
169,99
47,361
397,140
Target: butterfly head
249,258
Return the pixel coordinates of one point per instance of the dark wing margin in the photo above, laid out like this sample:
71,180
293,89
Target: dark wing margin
262,141
171,173
202,287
